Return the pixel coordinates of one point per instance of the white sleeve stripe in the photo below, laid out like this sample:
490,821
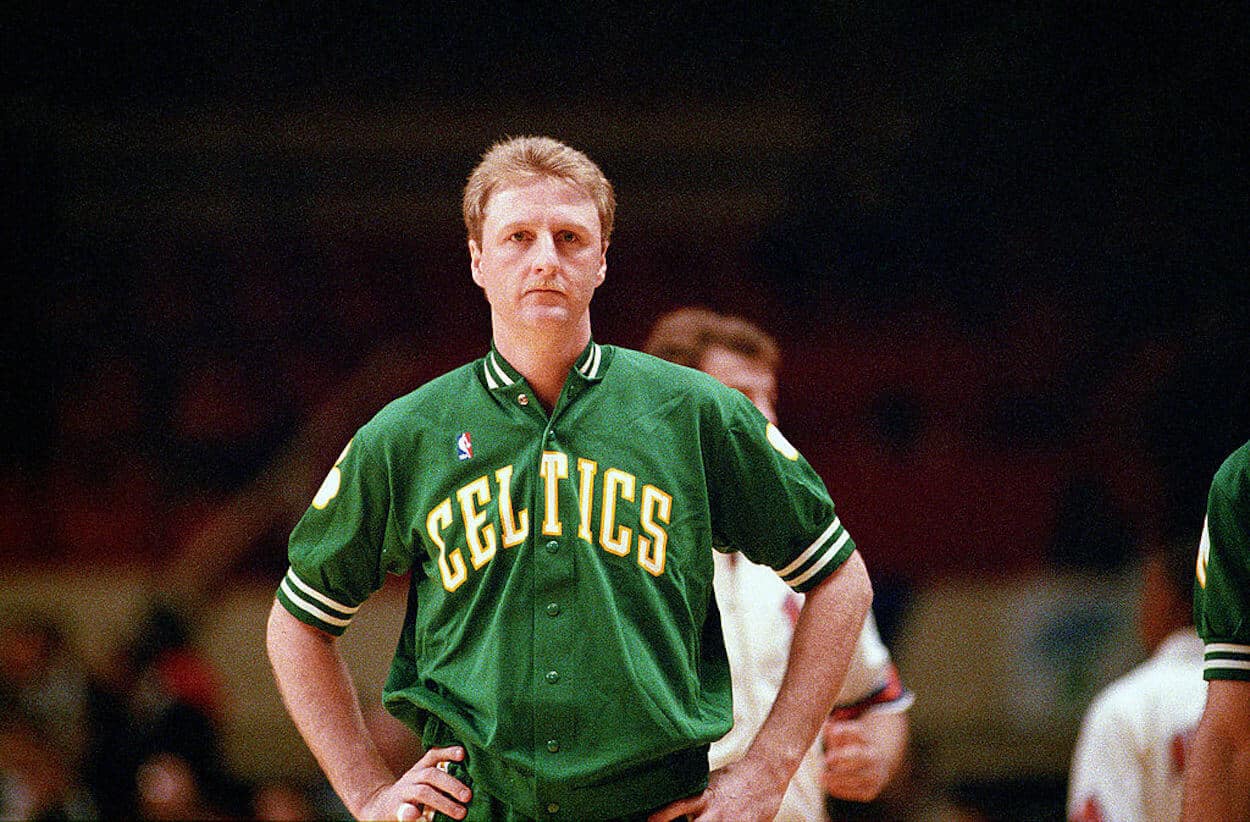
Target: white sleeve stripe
811,549
317,595
309,608
821,563
1225,664
1227,648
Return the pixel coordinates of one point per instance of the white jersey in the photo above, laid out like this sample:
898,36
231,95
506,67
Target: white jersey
1130,752
758,612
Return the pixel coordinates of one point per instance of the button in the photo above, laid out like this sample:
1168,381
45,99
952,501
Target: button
553,609
522,399
553,546
553,677
553,745
552,807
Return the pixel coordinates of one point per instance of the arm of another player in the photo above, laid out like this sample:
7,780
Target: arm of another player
1217,775
827,630
862,754
321,698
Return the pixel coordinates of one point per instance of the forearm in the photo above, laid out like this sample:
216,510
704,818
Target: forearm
1217,766
824,637
1217,775
321,698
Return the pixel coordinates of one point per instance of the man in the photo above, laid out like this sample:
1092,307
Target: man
863,742
556,503
1130,754
1217,781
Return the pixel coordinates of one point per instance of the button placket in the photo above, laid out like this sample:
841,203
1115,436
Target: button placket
554,730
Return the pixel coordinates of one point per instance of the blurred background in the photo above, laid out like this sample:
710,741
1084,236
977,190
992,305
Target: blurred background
1002,249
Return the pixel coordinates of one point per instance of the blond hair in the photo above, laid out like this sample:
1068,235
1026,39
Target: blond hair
521,159
684,336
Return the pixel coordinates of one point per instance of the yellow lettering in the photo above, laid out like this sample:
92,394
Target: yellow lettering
515,526
475,527
615,540
451,567
555,467
651,552
586,470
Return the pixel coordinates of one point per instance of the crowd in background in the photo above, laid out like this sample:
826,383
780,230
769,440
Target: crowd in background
999,250
957,444
1042,420
137,738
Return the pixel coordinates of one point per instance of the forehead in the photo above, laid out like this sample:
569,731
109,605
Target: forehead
737,370
540,199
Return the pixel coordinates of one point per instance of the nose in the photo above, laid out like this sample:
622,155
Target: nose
545,256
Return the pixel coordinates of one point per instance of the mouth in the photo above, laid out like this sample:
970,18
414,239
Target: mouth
544,289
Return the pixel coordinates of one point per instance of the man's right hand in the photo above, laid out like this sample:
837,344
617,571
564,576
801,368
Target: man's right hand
423,789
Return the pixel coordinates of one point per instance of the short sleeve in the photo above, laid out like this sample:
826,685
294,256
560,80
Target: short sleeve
1222,589
342,548
769,503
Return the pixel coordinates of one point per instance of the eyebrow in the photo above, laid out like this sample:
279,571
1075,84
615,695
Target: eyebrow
558,225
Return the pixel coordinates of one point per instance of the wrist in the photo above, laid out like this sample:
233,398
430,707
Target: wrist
366,789
774,764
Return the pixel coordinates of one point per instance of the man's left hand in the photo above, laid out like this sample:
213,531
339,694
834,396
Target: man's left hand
739,792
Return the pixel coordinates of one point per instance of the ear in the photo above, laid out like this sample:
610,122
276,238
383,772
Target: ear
475,261
603,266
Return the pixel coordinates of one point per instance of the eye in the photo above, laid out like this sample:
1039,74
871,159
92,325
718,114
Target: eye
567,236
517,237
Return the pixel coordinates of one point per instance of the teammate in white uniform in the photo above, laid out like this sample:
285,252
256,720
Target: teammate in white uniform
864,740
1130,754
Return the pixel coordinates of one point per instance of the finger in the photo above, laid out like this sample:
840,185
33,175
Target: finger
428,800
847,761
859,786
852,792
690,806
452,753
427,768
408,812
843,733
439,780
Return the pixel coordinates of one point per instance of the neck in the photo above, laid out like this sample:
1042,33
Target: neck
543,358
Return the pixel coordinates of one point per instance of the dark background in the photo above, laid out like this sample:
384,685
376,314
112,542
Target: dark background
1002,248
198,190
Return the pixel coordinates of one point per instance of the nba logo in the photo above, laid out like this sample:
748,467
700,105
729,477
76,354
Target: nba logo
464,446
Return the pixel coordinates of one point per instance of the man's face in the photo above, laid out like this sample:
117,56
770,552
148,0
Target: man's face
541,255
749,376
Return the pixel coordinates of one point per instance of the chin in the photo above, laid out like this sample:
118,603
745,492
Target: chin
547,315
